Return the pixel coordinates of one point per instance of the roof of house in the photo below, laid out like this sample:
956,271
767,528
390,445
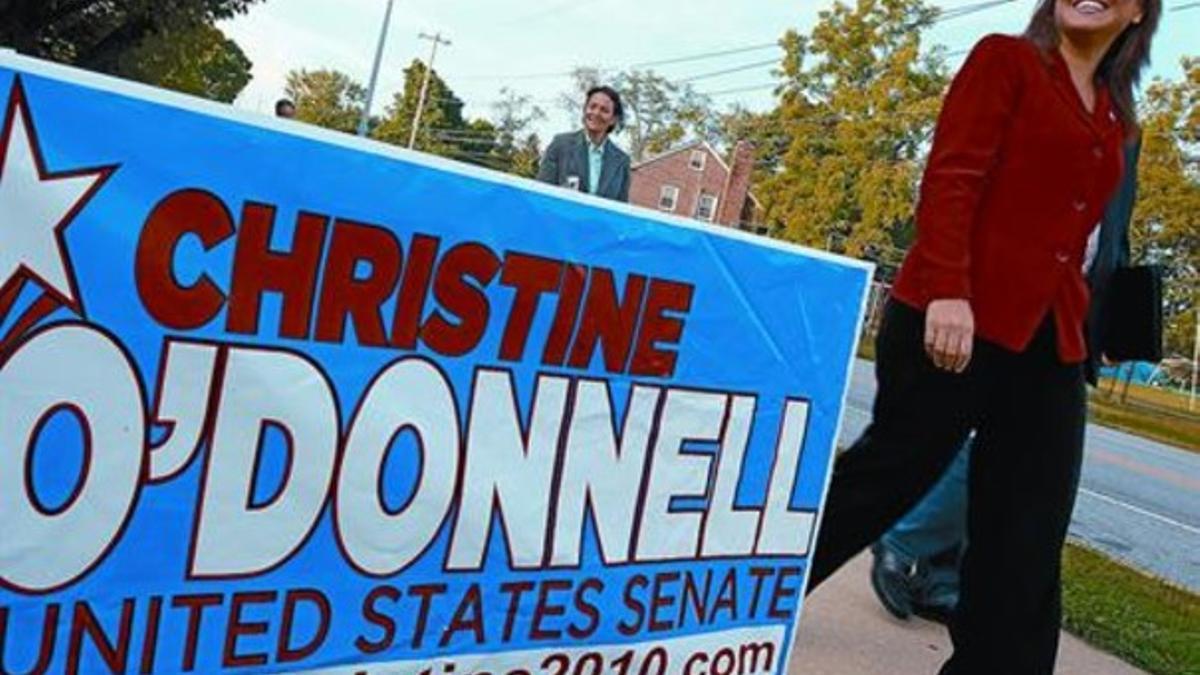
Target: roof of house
689,146
692,146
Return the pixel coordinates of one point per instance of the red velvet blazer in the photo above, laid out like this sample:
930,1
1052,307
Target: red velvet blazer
1019,174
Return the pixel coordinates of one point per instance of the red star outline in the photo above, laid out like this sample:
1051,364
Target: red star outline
18,103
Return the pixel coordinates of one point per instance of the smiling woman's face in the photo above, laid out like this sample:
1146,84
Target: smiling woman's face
1099,19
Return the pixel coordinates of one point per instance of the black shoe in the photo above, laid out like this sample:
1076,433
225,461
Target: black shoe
937,603
890,580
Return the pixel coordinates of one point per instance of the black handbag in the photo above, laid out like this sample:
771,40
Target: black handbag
1133,323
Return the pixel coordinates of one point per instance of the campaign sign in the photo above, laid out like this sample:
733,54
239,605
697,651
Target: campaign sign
279,399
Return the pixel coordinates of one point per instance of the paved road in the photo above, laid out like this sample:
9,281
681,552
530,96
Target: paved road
1139,500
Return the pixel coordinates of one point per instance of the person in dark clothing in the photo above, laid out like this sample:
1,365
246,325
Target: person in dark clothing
915,566
587,160
986,328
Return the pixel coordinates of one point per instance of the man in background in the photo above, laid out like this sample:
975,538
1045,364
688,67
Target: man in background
285,108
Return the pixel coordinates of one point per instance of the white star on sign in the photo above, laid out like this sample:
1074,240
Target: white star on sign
36,205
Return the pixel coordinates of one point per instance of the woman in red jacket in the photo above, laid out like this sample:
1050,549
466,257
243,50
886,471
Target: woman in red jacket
985,327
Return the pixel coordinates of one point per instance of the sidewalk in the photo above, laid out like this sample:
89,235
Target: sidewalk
845,631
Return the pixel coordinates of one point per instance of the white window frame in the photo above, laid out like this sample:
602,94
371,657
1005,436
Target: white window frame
668,193
712,214
702,155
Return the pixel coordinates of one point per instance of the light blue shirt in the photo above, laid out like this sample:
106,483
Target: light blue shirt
595,162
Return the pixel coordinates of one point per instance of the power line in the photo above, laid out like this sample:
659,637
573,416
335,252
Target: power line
477,139
706,55
522,76
479,135
945,15
967,10
739,90
556,99
468,140
472,140
476,155
726,71
1190,5
951,13
640,64
457,100
488,161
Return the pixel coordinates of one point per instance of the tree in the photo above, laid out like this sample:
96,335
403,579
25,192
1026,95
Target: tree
518,149
583,79
97,34
1166,220
199,60
765,132
478,142
858,105
327,98
528,157
442,125
660,113
443,130
332,99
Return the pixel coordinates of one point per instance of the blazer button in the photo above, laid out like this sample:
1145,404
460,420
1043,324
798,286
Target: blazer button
1079,205
1098,152
1061,257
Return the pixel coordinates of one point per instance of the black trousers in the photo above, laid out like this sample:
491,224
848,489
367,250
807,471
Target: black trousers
1028,411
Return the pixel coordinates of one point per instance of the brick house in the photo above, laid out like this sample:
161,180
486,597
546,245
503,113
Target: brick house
694,181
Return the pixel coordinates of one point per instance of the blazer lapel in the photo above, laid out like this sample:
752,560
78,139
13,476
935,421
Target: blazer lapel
1061,76
581,159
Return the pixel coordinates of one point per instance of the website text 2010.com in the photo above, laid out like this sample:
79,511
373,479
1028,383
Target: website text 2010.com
748,658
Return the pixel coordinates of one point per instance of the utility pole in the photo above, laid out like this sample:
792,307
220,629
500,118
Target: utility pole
383,31
436,38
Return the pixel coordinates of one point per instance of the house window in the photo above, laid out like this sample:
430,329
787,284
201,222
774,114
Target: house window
697,160
706,207
668,197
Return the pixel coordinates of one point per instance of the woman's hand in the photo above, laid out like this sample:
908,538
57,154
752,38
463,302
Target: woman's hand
949,333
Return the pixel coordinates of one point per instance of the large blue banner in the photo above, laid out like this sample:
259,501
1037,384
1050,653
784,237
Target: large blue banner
277,399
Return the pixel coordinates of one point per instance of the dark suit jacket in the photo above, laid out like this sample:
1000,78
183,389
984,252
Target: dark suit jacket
1112,252
567,156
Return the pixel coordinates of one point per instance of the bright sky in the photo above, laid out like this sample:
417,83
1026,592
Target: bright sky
526,44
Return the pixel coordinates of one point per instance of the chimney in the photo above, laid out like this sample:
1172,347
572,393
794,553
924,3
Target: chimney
737,186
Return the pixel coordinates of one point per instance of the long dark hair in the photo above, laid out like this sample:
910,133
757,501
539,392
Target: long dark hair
1121,68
